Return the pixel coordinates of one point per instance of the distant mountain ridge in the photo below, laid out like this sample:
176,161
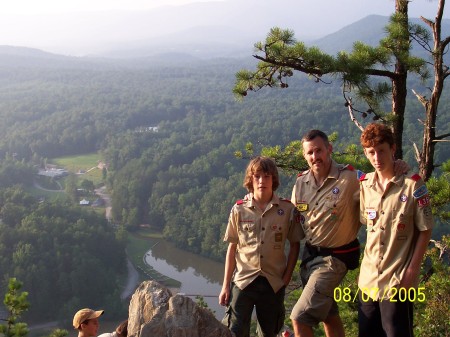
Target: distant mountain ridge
368,30
202,42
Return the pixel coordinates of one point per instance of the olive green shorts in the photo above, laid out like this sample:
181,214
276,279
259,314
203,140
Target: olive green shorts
319,277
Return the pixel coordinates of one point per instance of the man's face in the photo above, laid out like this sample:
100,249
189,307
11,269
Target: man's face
381,156
318,155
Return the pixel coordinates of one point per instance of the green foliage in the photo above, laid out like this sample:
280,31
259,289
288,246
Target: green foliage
202,304
369,76
58,333
439,189
88,185
54,248
16,303
431,316
71,188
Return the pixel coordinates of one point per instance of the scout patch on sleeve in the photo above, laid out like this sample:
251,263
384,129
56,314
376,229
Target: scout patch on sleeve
360,174
423,201
420,192
302,206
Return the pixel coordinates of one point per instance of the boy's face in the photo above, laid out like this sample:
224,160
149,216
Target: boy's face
262,182
90,328
381,156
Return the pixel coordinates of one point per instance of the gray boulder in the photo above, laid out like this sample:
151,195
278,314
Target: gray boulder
155,312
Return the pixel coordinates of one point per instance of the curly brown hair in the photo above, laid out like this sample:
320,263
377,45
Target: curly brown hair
264,164
375,134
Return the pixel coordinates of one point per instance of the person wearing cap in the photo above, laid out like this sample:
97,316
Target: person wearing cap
396,210
257,268
86,322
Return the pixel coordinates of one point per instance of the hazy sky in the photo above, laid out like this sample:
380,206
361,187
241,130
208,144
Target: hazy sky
30,7
68,26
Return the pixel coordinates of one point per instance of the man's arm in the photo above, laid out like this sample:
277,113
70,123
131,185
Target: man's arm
230,265
294,250
410,278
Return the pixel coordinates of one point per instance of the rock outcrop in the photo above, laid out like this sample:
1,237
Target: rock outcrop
155,312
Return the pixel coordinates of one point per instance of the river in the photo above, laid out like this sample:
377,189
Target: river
198,275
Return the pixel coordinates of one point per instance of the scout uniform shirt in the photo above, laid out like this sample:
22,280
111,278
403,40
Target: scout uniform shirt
328,212
393,220
260,238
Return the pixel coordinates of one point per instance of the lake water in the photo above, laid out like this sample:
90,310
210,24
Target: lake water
198,275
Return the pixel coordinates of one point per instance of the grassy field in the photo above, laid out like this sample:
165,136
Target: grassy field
86,162
138,244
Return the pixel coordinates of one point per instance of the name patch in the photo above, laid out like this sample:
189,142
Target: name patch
302,207
371,214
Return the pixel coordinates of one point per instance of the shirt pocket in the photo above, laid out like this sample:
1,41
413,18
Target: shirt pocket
247,233
276,236
402,220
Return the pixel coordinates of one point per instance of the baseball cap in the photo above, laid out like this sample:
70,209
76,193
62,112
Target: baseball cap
85,314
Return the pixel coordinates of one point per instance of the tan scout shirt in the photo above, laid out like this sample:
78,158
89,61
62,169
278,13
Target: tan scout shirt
260,238
393,221
329,213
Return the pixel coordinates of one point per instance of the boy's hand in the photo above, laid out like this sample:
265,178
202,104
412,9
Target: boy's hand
224,297
401,167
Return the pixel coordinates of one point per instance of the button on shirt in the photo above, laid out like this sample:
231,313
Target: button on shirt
328,212
393,219
260,237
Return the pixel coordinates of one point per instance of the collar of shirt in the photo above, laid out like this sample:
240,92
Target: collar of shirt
274,201
333,174
397,180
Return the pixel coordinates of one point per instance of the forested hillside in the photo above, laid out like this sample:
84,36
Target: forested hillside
181,175
53,248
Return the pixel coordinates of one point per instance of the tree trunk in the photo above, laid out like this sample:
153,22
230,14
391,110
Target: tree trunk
426,157
399,90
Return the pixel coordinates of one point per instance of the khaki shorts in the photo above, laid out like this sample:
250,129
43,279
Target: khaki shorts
320,277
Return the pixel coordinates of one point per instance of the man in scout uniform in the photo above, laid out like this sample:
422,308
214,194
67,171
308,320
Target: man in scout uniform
257,269
397,212
327,195
86,322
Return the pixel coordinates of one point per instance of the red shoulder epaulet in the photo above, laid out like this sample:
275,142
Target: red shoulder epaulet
284,199
239,202
346,167
363,176
416,177
301,173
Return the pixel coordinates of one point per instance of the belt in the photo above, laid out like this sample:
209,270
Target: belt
325,251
